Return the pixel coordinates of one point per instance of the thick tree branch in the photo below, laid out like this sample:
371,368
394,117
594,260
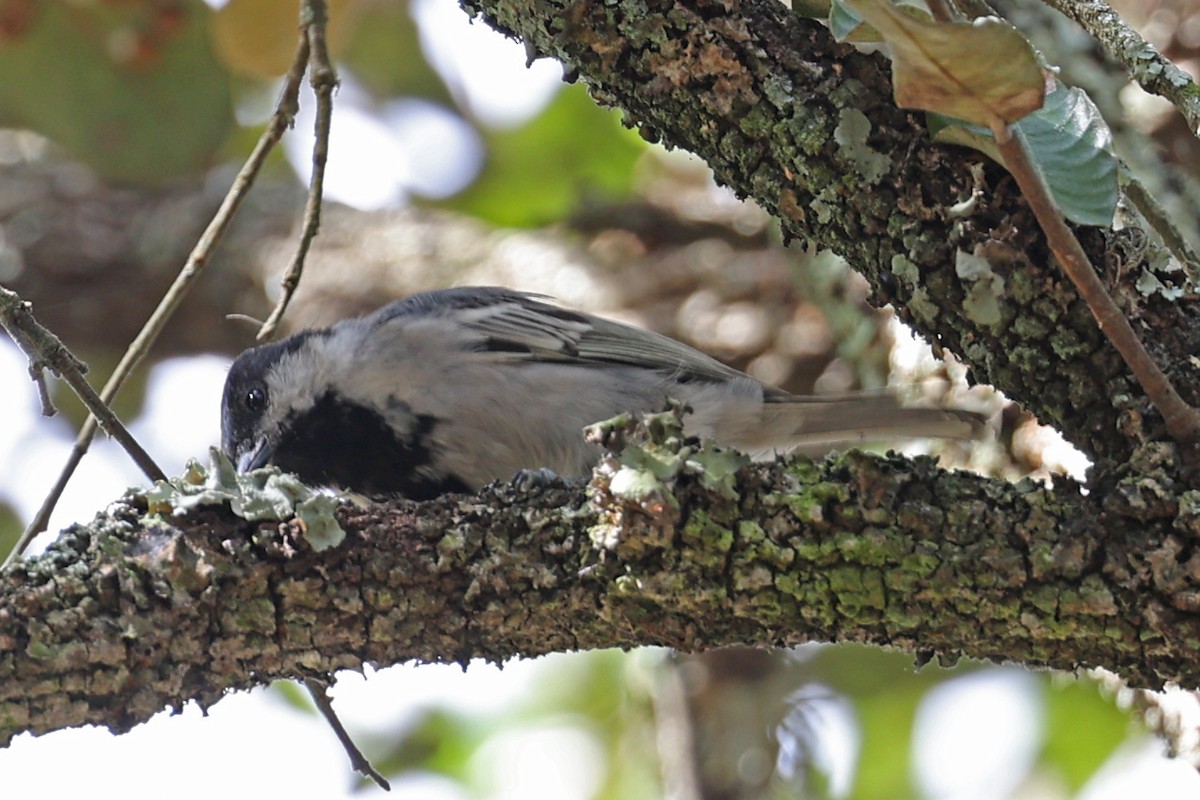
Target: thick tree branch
130,614
808,129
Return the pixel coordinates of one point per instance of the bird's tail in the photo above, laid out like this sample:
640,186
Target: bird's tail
818,425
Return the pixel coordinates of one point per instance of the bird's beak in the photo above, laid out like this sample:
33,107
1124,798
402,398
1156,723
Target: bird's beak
257,456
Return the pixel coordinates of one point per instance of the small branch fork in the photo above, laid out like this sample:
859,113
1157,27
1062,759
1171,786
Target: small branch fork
319,691
46,351
314,52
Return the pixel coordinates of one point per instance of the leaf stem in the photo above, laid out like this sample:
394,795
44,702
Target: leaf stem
1183,421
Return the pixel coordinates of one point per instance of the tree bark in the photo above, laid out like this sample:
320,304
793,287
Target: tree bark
133,613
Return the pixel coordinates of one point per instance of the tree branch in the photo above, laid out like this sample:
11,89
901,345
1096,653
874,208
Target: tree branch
1153,71
130,614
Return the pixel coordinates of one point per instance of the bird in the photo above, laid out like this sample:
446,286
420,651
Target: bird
449,390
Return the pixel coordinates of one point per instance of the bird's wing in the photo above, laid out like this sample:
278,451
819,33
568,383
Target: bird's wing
519,326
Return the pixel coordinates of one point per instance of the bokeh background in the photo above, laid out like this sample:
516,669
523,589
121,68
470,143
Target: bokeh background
453,162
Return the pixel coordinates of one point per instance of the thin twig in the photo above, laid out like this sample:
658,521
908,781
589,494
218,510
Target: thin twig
46,351
941,10
319,691
281,120
1157,218
1183,421
1153,71
323,77
37,374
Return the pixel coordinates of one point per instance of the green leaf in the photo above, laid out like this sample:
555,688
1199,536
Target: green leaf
984,71
1071,145
1083,728
132,89
543,170
844,22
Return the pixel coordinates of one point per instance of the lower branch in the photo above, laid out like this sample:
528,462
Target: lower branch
131,614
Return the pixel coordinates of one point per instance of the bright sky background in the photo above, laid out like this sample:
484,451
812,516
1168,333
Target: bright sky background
973,731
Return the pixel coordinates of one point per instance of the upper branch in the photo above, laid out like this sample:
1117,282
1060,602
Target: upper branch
808,128
132,613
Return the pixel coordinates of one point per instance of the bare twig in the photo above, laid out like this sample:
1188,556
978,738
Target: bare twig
46,351
318,690
941,10
1153,71
281,120
1183,421
1157,218
323,77
37,374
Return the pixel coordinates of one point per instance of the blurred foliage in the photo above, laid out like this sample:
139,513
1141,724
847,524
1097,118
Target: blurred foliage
543,170
385,54
607,699
10,529
603,696
258,37
132,89
135,90
1083,727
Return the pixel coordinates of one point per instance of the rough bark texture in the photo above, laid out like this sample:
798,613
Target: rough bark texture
133,613
777,109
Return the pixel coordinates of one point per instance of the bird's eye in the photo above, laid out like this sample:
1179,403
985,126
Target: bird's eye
256,399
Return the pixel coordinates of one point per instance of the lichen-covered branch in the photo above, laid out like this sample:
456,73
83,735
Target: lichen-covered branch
131,613
808,128
1153,71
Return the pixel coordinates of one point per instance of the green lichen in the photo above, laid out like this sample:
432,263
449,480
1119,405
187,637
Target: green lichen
647,454
261,494
810,130
859,592
756,546
1067,344
875,546
1028,326
807,502
708,539
825,204
985,288
255,615
1044,599
851,134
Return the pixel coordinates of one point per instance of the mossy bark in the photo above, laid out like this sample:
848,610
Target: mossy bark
132,614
